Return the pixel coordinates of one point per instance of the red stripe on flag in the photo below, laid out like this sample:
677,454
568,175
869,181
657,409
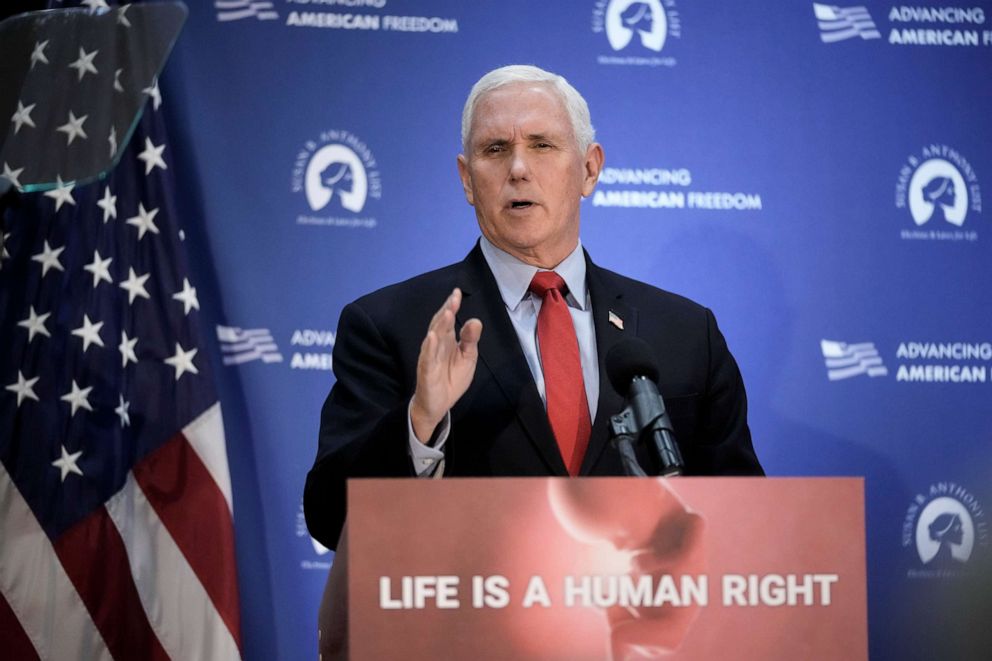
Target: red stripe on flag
191,506
96,562
13,640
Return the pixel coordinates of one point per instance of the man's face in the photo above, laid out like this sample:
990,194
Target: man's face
524,173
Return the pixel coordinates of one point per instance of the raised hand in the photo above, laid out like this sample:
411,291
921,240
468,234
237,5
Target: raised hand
445,368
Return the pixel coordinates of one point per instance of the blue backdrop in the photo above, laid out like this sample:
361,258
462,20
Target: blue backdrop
814,174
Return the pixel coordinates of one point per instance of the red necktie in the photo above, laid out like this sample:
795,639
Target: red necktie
565,391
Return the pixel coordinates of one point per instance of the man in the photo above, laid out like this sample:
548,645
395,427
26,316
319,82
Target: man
507,377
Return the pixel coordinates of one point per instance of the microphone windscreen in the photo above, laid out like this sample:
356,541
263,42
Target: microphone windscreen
630,358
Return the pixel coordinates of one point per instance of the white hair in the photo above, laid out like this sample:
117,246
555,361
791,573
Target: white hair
575,105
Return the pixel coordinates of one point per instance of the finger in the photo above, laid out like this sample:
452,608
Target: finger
455,300
451,305
437,317
428,351
469,338
440,311
445,330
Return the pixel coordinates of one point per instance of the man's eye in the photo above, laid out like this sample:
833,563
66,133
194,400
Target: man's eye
543,145
494,149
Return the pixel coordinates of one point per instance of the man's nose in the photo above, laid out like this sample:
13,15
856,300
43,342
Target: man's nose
519,166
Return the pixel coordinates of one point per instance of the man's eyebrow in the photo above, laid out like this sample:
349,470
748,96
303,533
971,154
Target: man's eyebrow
488,141
530,137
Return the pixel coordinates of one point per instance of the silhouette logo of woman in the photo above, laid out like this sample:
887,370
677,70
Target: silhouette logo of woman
948,531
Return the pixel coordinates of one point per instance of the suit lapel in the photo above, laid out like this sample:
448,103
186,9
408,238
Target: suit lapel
614,320
500,353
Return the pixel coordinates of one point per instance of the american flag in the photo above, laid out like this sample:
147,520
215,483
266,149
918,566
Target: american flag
116,533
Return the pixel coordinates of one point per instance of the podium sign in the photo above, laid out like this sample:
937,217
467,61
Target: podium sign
607,568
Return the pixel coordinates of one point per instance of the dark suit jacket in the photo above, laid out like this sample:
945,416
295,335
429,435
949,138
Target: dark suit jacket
499,427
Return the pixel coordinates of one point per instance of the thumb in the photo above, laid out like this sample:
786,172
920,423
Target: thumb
468,342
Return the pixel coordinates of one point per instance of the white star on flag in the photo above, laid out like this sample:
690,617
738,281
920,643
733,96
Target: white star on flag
188,297
122,16
96,4
183,361
23,116
126,347
49,259
35,323
109,205
89,332
24,388
3,247
144,221
78,398
117,80
38,54
152,156
62,193
112,139
134,285
74,128
100,268
84,64
12,175
67,463
122,413
155,94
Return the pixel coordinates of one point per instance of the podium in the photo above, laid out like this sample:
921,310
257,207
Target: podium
599,568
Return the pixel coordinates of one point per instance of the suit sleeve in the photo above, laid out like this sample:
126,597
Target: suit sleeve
363,424
726,447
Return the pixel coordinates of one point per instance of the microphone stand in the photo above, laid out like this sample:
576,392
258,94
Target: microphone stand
645,414
623,434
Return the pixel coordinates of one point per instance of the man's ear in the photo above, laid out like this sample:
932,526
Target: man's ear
466,178
593,166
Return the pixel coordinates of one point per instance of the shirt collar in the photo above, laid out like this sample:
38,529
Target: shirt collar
513,276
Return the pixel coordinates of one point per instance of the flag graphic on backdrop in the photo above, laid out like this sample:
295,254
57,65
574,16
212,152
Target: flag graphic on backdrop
235,10
840,23
116,533
846,360
242,345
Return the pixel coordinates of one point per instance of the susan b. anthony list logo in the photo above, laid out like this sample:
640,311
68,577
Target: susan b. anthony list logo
316,551
939,190
338,176
639,29
943,527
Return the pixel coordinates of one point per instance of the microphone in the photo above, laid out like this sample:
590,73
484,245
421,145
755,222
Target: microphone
633,371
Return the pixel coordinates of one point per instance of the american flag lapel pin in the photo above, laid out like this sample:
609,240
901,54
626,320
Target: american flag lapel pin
615,320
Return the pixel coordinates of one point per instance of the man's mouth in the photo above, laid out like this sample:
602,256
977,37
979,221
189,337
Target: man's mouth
521,204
